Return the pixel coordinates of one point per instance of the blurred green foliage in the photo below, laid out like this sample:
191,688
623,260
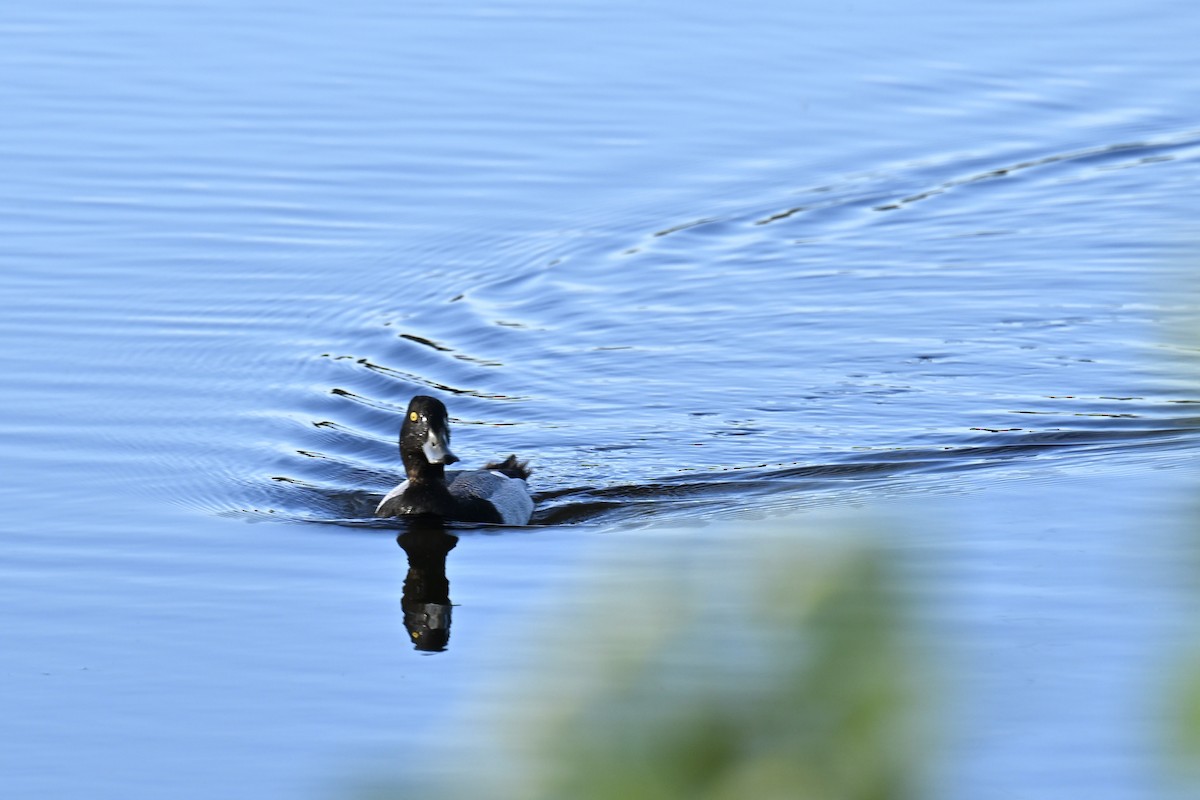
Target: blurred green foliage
800,688
766,664
1182,695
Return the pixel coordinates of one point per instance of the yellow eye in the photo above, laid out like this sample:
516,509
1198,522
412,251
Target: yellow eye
412,416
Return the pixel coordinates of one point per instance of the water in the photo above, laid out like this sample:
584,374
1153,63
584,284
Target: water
697,263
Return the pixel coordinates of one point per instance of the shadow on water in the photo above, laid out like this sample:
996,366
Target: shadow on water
810,689
426,599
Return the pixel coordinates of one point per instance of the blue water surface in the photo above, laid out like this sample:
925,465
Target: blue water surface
701,264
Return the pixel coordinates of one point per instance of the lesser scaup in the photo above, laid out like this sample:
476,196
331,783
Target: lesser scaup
497,493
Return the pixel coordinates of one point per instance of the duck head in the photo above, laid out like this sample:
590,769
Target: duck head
425,437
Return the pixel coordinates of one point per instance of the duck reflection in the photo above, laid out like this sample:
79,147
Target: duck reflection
426,599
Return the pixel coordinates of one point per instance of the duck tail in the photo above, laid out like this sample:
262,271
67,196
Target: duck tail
511,467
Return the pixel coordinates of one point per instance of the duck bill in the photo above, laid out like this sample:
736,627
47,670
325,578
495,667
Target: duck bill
436,448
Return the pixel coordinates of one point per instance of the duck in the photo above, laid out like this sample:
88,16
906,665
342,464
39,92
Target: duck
498,493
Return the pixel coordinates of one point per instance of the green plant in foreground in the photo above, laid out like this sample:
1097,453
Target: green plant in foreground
800,690
770,665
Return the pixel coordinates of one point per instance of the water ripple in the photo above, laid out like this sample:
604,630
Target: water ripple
720,364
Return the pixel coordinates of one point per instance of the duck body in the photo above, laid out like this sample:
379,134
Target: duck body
465,496
498,493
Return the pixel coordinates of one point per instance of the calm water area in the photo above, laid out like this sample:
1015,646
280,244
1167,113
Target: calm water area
720,272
